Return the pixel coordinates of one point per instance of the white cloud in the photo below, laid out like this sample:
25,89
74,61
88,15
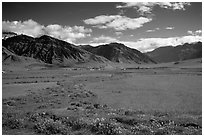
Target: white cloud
117,22
169,28
118,33
28,27
104,39
152,30
67,33
102,19
197,32
32,28
148,44
147,7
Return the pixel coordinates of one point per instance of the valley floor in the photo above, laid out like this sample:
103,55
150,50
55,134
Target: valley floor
157,99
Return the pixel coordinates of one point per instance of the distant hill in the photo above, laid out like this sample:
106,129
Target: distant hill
117,52
178,53
49,50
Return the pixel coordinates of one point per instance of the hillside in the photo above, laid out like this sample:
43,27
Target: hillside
117,52
180,52
50,50
13,62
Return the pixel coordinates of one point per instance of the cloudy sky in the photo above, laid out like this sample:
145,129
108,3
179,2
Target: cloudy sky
140,25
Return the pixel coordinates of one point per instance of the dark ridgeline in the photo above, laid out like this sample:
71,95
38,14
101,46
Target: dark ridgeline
49,50
117,52
6,35
178,53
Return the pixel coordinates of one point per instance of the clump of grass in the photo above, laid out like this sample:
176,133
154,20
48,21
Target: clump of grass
11,121
49,126
74,123
104,126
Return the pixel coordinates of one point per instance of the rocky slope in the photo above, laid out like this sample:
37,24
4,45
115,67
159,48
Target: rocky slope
50,50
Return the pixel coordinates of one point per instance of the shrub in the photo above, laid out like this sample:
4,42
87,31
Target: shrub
13,123
104,126
74,123
49,126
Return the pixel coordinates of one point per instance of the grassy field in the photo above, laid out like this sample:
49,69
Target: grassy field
147,92
151,99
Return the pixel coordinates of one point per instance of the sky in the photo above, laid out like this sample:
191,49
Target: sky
140,25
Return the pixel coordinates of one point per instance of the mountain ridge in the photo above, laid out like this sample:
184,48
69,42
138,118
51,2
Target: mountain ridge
118,52
176,53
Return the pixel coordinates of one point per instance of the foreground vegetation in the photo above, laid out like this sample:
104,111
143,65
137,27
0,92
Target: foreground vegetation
67,107
86,117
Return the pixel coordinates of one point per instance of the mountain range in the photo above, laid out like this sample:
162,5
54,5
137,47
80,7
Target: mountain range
50,50
54,51
177,53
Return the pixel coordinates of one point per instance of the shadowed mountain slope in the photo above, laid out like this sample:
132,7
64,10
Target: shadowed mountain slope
180,52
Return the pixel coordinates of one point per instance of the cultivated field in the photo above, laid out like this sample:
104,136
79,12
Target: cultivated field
135,99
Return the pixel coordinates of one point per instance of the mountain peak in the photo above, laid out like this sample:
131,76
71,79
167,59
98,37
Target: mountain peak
46,37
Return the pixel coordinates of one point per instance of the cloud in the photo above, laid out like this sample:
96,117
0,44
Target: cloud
117,22
197,32
104,39
147,7
67,33
148,44
34,29
169,28
118,33
29,27
152,30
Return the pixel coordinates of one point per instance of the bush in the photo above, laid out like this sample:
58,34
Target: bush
13,123
49,126
106,127
74,123
10,120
